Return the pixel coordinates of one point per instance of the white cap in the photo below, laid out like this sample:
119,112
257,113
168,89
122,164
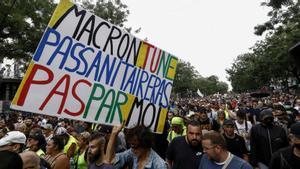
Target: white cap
47,126
13,137
191,113
60,131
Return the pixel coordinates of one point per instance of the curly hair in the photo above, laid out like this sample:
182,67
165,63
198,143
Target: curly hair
143,134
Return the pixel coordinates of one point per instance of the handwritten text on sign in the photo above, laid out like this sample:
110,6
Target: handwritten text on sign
88,69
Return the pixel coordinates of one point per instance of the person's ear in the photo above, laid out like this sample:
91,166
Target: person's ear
16,147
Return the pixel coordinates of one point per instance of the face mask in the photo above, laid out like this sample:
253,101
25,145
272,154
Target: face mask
268,121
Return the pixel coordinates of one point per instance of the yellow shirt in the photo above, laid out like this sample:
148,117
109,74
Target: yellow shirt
81,163
70,142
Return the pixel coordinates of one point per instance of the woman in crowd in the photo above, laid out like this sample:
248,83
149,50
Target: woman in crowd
55,156
221,118
81,161
36,142
70,143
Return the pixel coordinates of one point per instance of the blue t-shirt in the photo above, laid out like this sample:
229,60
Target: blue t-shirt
235,163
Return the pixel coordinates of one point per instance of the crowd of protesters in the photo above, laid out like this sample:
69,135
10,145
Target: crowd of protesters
215,132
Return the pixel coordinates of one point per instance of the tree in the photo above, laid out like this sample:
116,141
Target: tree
269,60
188,79
277,4
114,12
185,75
22,25
24,21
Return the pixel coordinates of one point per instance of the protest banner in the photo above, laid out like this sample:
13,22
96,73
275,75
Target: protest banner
86,68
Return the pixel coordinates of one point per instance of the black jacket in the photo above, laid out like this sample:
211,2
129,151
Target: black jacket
284,159
264,141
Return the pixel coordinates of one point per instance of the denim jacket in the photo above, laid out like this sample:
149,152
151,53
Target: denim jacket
126,157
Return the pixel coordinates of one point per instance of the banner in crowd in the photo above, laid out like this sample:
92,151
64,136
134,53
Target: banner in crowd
86,68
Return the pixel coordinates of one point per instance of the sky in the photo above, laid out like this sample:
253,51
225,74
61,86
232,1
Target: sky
209,34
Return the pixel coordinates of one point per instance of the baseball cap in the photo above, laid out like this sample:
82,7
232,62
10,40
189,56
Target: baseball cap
60,131
38,136
266,113
13,137
177,120
228,122
295,129
47,126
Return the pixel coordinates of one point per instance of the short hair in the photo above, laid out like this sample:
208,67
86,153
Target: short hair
58,142
215,138
278,107
30,157
143,134
10,160
98,135
194,123
241,113
37,134
30,118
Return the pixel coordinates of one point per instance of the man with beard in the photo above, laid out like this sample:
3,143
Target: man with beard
235,143
216,155
96,156
265,139
29,125
186,151
288,158
205,122
177,128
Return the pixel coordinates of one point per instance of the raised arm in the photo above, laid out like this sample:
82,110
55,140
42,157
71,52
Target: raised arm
110,149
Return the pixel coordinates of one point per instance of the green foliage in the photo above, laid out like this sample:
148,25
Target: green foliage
114,12
185,74
188,79
269,61
277,4
22,23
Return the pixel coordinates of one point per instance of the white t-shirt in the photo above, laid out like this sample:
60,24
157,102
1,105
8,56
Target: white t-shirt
242,127
242,131
212,114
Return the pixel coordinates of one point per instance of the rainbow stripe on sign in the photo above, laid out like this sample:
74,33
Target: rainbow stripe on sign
87,69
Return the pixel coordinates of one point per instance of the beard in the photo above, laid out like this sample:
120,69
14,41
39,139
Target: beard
94,157
194,142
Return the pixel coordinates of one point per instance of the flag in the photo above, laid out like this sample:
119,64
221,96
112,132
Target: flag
199,93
